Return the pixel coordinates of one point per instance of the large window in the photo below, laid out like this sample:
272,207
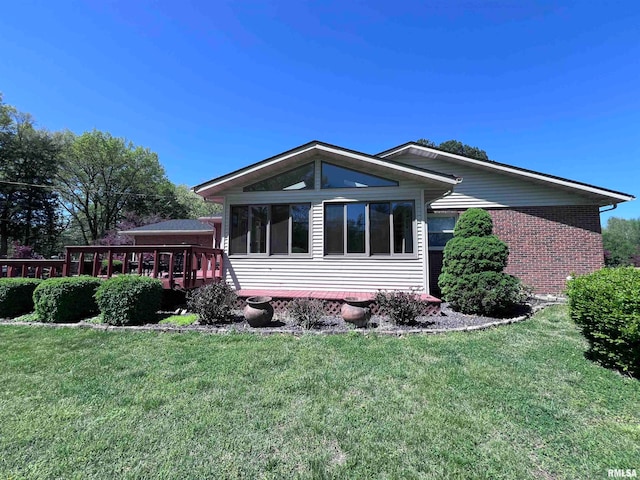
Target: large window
340,177
375,228
301,178
272,229
440,228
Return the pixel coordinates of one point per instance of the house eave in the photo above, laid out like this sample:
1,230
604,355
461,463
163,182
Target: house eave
602,195
298,155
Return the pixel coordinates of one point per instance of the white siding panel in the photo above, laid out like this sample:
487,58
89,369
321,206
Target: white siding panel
487,189
320,272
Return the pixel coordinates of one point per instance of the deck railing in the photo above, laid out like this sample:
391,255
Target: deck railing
40,268
178,266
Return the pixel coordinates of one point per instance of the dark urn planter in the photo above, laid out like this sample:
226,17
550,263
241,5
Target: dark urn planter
258,312
356,310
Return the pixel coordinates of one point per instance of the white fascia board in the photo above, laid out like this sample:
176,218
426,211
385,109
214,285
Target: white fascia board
391,166
255,169
515,171
324,148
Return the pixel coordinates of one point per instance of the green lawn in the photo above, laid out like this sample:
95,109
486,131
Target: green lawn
518,401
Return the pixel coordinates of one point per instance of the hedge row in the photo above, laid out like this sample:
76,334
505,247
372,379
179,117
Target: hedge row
606,305
16,296
122,300
66,299
129,299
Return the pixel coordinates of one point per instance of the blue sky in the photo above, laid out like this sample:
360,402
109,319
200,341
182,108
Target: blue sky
214,86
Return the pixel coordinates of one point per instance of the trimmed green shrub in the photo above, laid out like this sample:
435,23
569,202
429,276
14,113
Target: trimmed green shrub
16,296
467,255
306,312
116,266
475,222
472,278
606,306
213,302
495,294
67,299
402,308
129,299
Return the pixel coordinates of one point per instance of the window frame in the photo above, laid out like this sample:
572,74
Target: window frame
267,252
395,183
438,248
367,253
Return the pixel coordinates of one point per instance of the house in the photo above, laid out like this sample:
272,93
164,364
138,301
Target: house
205,232
323,217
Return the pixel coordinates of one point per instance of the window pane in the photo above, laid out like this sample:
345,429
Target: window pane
259,219
379,236
338,177
280,229
439,239
402,227
356,228
334,229
440,224
300,228
239,227
301,178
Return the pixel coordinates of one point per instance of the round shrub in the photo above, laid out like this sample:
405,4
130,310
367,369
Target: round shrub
475,222
495,294
129,299
606,306
402,308
16,296
213,302
476,254
66,299
472,278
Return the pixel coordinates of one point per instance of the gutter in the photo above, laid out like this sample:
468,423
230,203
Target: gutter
615,205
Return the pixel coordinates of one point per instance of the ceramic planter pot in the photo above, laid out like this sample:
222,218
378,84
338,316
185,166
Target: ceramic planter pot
258,312
356,311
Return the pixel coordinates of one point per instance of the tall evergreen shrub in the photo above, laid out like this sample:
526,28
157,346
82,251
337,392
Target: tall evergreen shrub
472,279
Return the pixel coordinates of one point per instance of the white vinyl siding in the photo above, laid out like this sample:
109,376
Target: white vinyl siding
317,271
491,189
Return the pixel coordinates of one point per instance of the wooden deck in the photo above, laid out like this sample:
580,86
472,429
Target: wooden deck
177,266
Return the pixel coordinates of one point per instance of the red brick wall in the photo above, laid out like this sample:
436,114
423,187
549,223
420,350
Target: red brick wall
546,244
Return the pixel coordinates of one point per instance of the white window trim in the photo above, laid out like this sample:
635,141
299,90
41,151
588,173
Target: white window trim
367,253
267,254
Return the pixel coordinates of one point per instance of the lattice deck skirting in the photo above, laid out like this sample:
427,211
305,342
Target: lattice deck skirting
332,300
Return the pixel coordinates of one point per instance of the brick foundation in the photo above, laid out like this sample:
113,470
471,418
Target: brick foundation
546,244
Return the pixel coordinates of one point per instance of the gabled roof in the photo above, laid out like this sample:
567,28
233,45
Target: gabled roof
585,188
296,156
172,226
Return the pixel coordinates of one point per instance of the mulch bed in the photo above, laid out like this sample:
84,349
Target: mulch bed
447,321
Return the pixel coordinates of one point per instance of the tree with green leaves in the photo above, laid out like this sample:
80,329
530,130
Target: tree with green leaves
457,147
194,204
621,242
29,159
102,177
